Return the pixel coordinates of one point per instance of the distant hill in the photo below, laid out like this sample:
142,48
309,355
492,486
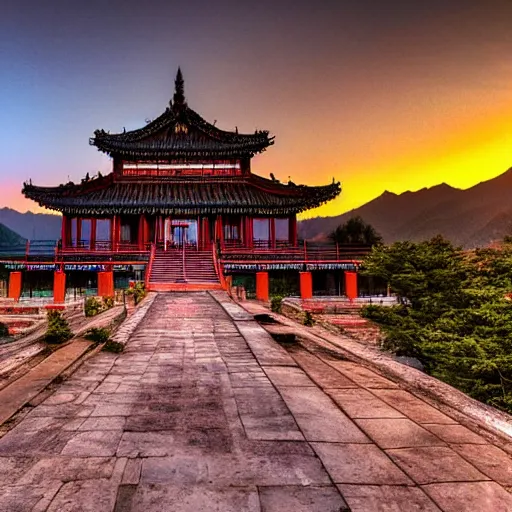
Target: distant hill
471,218
9,237
32,226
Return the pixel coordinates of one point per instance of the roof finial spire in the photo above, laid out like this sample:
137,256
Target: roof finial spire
178,99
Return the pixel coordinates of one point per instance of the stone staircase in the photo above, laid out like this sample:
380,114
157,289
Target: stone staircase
173,272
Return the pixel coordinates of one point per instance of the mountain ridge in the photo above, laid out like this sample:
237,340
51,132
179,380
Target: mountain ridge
472,217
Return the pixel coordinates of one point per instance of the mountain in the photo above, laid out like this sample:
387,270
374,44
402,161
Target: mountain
9,237
471,218
32,226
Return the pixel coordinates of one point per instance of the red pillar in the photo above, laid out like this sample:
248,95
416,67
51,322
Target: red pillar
93,235
306,285
115,232
351,285
272,232
205,233
78,231
249,233
262,288
59,287
145,231
292,230
220,230
106,283
14,285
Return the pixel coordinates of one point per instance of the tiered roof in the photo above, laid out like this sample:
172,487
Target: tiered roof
252,195
180,132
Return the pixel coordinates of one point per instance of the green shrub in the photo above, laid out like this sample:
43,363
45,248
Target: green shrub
93,306
97,334
4,331
138,292
113,346
108,302
276,303
308,319
58,330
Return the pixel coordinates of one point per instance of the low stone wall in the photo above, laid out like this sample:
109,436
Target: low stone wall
127,328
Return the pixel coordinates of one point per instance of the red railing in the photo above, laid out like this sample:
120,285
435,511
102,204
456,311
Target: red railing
150,266
304,251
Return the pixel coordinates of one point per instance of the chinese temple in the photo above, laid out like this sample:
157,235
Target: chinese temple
182,203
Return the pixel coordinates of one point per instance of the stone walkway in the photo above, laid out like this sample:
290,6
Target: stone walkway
192,417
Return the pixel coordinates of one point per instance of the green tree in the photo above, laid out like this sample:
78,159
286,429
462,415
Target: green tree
356,231
455,313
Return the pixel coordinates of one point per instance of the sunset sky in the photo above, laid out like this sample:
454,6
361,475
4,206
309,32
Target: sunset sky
382,95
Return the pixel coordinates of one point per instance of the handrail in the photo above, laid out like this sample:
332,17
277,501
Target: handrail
150,266
217,266
184,266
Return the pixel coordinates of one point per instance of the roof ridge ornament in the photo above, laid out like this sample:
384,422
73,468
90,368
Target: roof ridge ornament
178,100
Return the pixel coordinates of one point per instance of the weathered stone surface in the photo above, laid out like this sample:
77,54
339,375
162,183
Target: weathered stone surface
103,423
266,351
268,469
435,464
386,498
155,498
68,468
23,498
93,444
489,459
265,415
131,475
187,419
361,375
146,444
44,442
85,496
320,372
360,403
477,496
319,418
11,469
359,464
301,499
412,406
288,376
455,434
398,433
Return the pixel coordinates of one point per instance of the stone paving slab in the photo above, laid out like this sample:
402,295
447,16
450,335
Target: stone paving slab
21,391
392,498
188,418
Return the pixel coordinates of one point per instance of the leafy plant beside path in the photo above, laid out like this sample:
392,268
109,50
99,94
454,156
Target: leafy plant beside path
455,313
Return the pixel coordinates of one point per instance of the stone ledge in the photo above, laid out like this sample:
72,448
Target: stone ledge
127,328
441,395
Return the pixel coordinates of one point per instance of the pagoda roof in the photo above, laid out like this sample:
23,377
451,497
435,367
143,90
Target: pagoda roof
194,195
180,132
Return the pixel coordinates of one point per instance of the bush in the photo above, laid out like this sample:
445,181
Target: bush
276,303
98,334
308,319
93,306
108,302
138,292
4,331
58,330
113,346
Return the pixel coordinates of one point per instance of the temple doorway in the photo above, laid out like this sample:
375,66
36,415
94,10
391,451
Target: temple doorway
179,233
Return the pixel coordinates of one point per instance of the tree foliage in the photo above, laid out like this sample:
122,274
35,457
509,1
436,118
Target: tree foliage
356,231
455,313
58,330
